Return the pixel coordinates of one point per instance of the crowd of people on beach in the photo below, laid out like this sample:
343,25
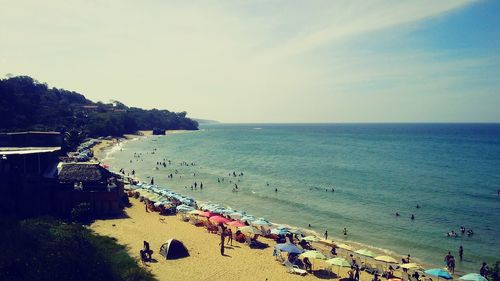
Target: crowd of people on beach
235,181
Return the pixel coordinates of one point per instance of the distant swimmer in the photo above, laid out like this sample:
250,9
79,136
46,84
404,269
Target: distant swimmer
267,184
333,190
201,185
345,231
418,206
309,225
236,186
412,217
275,190
397,214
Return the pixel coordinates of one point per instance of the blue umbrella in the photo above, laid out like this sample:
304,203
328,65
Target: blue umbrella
473,277
439,273
260,222
279,231
289,248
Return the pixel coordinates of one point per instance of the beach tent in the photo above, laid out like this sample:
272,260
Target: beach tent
173,249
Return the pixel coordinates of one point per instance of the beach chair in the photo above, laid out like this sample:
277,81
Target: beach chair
291,268
250,241
370,269
381,271
280,258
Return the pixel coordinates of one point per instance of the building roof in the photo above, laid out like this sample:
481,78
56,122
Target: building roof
26,150
32,132
84,172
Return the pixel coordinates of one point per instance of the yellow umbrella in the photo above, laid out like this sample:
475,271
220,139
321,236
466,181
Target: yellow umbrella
411,265
345,247
313,255
388,259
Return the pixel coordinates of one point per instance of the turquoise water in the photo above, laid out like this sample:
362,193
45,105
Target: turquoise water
451,170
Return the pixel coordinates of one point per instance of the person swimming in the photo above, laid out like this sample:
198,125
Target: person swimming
412,217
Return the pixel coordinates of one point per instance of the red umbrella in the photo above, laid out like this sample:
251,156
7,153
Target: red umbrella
218,219
236,223
205,214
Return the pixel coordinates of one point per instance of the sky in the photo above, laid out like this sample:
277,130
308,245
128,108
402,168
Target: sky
259,61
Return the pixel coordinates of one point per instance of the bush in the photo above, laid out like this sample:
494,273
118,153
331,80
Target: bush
47,249
81,213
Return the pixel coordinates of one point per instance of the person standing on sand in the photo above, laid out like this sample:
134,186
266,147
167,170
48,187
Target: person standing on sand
230,236
222,249
356,272
326,235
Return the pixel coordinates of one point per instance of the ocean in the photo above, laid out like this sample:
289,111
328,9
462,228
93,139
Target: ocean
452,171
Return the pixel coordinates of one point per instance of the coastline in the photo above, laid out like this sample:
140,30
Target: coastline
323,244
205,261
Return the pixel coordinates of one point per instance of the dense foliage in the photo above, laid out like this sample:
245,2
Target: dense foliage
47,249
26,104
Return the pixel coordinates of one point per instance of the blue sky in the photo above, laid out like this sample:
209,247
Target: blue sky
267,61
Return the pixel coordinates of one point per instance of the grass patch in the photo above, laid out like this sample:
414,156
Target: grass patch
48,249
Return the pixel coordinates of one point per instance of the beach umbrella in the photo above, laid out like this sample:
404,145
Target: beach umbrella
279,231
261,222
311,238
218,219
250,230
387,259
365,252
289,248
235,223
313,255
295,231
184,208
438,272
247,218
340,262
411,265
473,277
345,247
205,214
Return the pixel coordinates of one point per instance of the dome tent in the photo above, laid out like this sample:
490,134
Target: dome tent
173,249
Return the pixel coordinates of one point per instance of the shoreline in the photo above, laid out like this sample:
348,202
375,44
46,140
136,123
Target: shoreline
336,240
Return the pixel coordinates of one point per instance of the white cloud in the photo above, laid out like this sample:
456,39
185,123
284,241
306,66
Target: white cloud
233,61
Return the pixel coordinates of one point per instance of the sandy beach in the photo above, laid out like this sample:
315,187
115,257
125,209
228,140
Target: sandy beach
205,261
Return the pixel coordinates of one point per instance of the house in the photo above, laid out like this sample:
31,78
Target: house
33,182
88,183
28,166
